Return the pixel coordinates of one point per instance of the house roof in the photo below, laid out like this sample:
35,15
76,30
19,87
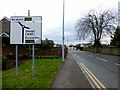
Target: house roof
4,33
5,18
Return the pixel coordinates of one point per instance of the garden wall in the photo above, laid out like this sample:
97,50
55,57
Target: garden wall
10,50
110,51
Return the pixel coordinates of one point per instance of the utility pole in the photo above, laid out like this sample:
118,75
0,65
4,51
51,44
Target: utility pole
63,35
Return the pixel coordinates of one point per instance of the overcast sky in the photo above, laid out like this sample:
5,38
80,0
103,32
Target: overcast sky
51,12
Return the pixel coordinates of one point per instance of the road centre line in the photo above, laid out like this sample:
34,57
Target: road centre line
93,78
117,64
102,59
91,55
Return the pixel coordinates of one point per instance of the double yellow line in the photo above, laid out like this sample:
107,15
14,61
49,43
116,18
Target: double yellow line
90,75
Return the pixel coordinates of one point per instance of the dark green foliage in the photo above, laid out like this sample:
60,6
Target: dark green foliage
5,40
10,56
47,45
47,57
116,39
25,56
78,47
4,61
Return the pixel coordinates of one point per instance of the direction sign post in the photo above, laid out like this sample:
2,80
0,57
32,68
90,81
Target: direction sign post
33,62
16,60
26,30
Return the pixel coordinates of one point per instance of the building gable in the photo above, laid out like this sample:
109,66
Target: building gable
5,26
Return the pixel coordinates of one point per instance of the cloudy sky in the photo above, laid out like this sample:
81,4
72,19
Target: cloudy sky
52,14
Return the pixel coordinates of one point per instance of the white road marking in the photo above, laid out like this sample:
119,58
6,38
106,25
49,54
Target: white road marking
102,59
91,55
117,64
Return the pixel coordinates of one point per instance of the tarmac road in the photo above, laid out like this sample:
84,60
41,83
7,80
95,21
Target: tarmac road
101,70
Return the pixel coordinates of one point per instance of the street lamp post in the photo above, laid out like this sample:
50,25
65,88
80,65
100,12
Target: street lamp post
63,34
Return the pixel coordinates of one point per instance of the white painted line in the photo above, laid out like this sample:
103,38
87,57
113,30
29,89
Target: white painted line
102,59
117,64
91,55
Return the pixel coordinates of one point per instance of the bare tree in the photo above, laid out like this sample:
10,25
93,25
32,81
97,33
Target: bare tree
96,25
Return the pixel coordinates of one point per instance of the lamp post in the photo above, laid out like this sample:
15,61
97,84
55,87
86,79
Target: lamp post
63,34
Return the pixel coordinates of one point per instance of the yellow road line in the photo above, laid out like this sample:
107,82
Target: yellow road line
86,76
84,72
94,77
91,77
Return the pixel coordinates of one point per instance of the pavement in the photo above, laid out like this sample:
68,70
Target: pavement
70,75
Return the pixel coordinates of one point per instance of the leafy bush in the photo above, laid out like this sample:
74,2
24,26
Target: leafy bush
10,56
25,56
4,61
5,40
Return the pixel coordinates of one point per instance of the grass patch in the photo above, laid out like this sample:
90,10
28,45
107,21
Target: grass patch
45,72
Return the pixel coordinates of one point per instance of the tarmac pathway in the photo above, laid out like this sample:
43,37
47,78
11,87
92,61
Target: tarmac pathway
70,75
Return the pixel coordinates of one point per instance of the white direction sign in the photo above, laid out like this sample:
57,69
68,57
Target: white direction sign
26,30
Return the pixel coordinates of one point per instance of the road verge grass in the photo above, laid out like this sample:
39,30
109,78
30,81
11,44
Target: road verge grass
45,72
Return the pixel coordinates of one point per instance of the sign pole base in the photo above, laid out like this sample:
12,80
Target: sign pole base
33,61
16,60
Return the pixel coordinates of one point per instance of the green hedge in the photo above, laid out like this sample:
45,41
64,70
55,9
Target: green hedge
4,61
47,57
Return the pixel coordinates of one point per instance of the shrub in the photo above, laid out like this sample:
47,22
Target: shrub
4,61
47,57
10,56
25,56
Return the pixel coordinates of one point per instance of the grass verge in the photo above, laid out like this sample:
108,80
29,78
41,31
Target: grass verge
45,72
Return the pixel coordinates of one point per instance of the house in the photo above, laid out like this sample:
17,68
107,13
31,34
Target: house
5,27
86,44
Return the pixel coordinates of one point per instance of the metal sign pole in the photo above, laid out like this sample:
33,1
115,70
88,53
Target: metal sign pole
33,74
16,60
33,61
